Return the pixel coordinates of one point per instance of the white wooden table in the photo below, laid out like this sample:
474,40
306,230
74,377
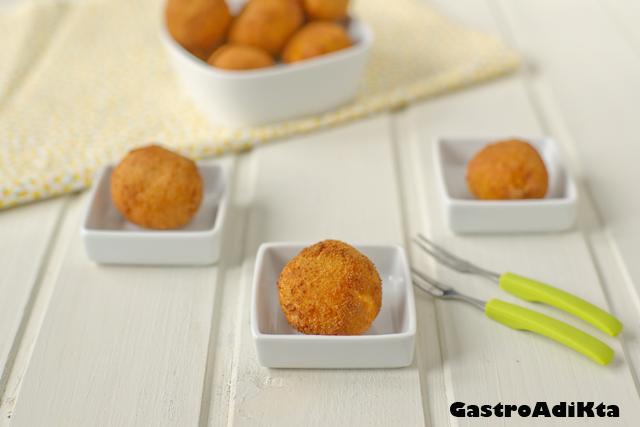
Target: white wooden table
85,345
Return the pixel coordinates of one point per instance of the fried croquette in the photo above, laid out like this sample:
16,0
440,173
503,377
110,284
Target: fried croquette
330,288
267,24
510,169
156,188
198,25
240,57
329,10
315,39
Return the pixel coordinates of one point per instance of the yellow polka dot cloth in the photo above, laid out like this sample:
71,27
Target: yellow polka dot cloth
84,81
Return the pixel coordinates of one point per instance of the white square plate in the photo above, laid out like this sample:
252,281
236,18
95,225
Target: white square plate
389,343
466,214
110,239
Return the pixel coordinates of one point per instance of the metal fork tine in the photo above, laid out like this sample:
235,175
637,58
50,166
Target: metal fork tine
452,261
433,282
439,249
437,255
418,282
439,290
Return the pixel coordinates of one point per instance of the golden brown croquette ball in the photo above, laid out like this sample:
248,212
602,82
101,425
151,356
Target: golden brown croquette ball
510,169
198,25
267,24
235,56
330,288
329,10
315,39
156,188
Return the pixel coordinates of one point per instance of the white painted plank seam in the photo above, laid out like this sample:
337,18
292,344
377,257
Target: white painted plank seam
550,119
35,287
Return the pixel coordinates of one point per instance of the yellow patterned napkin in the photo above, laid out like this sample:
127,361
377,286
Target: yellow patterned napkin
82,82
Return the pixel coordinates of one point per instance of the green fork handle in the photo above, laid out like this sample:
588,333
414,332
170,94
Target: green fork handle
517,317
532,290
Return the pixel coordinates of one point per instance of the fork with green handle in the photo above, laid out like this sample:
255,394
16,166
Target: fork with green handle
527,289
517,317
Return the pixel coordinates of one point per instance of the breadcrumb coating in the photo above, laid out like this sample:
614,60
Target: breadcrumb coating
267,24
198,25
156,188
315,39
510,169
233,56
330,288
326,9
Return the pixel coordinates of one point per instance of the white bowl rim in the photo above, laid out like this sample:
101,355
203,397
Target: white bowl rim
357,48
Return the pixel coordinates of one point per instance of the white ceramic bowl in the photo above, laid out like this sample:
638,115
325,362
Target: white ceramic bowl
110,239
389,343
278,93
466,214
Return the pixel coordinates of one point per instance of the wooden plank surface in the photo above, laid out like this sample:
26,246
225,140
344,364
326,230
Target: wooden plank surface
334,184
25,236
415,208
582,94
167,346
49,268
119,345
139,338
591,73
506,108
482,360
625,15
